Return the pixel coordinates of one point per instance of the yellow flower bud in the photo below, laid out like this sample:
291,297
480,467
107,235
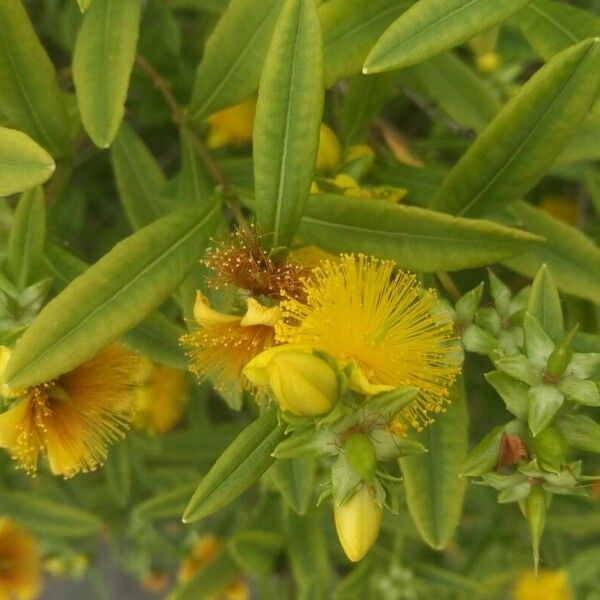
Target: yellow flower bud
357,523
488,62
301,382
330,151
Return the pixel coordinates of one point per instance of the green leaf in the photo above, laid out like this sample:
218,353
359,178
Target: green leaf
434,491
255,551
167,505
295,479
116,293
84,4
210,581
102,62
45,517
512,391
484,456
240,466
234,56
194,187
23,164
521,143
350,28
430,27
415,238
156,337
288,119
571,256
550,27
117,472
544,402
26,240
29,94
581,432
462,94
544,304
139,178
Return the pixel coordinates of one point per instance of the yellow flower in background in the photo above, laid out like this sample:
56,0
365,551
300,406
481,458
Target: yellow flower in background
547,585
301,382
330,150
232,126
357,523
160,399
19,563
225,344
367,314
72,419
560,207
201,554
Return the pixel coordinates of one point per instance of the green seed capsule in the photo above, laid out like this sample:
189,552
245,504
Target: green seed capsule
551,446
360,453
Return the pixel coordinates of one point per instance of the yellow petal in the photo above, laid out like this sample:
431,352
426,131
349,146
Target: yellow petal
256,369
206,316
257,314
10,422
358,382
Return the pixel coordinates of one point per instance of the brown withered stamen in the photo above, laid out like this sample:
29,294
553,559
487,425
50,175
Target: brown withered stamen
512,450
241,261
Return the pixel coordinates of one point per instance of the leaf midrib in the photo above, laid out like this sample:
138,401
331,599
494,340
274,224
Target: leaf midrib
120,292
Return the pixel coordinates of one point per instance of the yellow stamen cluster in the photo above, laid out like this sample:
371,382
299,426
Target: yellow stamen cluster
365,313
242,262
73,419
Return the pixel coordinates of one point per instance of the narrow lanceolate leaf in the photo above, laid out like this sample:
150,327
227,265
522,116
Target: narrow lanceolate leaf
544,304
139,178
111,297
194,186
288,118
521,143
84,4
434,491
23,164
295,480
431,26
26,240
350,28
239,467
102,63
29,93
45,517
550,26
415,238
572,257
156,337
234,56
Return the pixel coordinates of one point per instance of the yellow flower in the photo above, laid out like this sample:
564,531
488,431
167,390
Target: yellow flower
357,523
161,399
232,126
365,313
202,553
73,418
225,344
301,382
19,563
547,585
330,151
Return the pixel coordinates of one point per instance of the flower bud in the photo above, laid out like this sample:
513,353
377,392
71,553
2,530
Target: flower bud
551,447
360,453
330,151
488,62
535,511
301,382
357,523
561,356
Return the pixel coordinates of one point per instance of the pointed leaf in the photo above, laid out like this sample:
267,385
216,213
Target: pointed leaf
430,27
23,164
544,304
544,402
239,467
29,95
521,143
288,118
295,480
26,241
415,238
194,187
581,432
572,257
117,472
434,491
139,178
102,63
116,293
234,56
166,505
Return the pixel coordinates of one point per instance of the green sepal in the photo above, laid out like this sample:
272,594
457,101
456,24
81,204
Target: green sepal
580,432
308,443
484,456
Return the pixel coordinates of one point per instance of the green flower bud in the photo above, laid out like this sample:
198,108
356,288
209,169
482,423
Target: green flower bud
561,356
357,523
360,453
551,447
535,512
